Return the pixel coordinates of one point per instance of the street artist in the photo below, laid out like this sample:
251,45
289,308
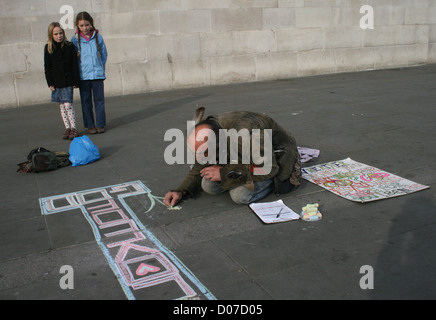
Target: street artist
246,181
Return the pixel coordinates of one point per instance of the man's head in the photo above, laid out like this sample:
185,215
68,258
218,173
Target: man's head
201,140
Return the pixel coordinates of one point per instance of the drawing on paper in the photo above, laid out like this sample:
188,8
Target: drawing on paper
359,182
144,268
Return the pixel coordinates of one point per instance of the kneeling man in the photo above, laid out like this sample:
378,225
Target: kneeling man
245,153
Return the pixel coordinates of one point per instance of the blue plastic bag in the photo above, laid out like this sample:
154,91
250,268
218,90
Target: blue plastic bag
83,151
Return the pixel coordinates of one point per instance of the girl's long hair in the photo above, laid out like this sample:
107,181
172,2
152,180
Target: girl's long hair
50,40
86,16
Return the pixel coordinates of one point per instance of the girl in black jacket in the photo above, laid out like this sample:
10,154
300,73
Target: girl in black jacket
62,74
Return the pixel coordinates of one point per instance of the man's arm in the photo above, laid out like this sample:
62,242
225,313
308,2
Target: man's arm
189,186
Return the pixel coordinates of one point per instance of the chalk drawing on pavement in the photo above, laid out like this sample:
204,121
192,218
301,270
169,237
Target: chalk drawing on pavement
144,267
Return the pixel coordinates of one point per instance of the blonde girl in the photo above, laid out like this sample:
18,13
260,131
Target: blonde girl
92,61
62,75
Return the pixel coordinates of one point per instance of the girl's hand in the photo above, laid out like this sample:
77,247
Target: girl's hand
52,88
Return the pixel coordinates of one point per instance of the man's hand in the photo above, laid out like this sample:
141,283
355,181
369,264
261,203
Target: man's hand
211,173
172,198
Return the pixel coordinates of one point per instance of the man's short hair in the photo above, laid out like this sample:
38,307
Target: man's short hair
214,125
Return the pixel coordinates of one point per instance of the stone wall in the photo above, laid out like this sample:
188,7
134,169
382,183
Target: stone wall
158,45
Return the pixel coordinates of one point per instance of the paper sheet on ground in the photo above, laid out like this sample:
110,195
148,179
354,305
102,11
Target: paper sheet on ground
307,154
273,212
359,182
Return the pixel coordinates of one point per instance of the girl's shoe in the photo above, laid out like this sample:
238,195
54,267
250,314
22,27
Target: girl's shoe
66,134
73,134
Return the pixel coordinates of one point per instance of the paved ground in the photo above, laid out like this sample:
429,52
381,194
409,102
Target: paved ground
380,118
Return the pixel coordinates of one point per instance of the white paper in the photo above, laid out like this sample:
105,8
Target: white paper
307,154
273,212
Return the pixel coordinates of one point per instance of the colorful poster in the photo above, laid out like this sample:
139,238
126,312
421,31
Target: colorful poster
359,182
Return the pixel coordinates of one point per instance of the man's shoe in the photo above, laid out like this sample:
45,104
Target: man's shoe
92,131
100,130
66,134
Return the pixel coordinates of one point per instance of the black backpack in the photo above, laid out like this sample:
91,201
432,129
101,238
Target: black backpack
41,159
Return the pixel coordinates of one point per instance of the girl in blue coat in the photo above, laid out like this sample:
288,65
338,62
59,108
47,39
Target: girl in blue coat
92,55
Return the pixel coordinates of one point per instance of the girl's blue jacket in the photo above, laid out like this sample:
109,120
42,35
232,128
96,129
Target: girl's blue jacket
91,64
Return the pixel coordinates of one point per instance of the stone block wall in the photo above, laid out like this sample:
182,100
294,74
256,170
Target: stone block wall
156,45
